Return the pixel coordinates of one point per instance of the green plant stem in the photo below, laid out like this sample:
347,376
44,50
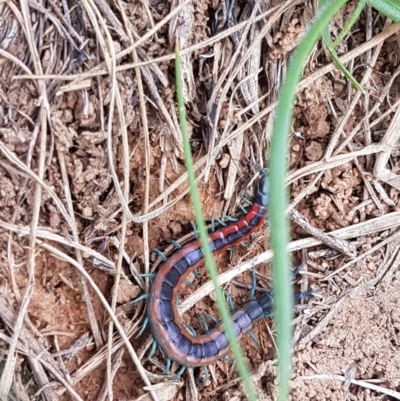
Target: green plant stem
225,315
283,292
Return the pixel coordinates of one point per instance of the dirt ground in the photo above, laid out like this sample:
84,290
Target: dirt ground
92,179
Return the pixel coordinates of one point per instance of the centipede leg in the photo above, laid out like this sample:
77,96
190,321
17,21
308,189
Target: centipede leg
249,202
230,302
297,270
229,218
212,229
302,295
258,168
167,367
206,375
179,373
160,254
228,359
253,284
141,298
203,322
211,317
195,232
222,223
176,244
145,323
242,209
191,330
202,382
254,338
152,350
147,275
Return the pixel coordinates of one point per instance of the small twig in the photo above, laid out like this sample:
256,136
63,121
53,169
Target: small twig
335,243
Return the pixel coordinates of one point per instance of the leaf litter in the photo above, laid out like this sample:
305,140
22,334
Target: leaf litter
83,140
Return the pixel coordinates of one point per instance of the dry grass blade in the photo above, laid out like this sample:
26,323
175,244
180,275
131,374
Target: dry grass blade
361,383
44,234
335,161
390,139
9,367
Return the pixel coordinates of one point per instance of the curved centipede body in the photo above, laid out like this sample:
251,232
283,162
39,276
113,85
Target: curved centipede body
169,333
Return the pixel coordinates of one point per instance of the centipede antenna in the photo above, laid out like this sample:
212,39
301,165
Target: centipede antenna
254,338
160,254
179,373
243,209
195,232
167,367
230,218
203,322
145,323
244,245
141,298
230,302
253,284
152,350
175,244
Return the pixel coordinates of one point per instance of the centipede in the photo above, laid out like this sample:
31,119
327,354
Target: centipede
178,344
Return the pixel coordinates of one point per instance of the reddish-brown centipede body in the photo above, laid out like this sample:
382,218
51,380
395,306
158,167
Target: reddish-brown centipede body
169,333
